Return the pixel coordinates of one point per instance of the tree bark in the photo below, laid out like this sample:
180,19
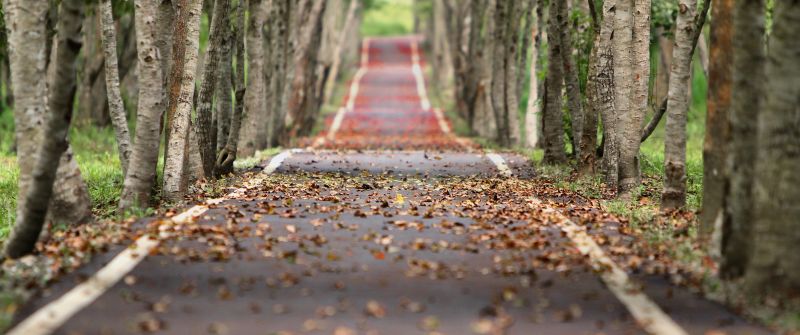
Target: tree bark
588,142
504,61
715,144
674,193
337,52
631,74
116,108
532,111
574,97
748,90
281,50
224,97
227,156
144,156
29,40
254,102
206,133
179,127
92,104
553,125
483,120
772,271
300,105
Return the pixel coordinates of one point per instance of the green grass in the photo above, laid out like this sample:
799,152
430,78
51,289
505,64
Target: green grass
388,17
96,153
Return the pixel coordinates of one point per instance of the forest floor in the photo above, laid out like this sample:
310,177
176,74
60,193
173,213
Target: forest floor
388,223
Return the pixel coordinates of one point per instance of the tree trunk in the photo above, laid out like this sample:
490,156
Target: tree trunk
300,106
715,144
441,46
27,40
553,125
220,24
144,156
504,61
337,52
280,54
773,270
254,102
179,127
601,94
631,74
528,8
224,97
574,97
748,90
588,142
483,119
532,110
674,193
92,104
227,156
116,108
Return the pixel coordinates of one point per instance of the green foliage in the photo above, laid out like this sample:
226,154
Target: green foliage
384,17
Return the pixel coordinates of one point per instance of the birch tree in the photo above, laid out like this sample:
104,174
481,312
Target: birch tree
674,193
115,107
596,80
341,41
141,174
553,127
300,104
749,58
505,103
715,144
772,271
227,156
206,132
184,68
574,96
631,74
533,113
27,45
254,104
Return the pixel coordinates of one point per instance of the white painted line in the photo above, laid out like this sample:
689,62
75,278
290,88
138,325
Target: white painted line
416,69
500,163
47,319
278,159
647,314
442,122
50,317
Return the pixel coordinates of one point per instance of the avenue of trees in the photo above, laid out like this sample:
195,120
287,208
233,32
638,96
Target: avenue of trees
591,105
259,78
258,82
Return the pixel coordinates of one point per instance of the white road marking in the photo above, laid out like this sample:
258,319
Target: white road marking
442,121
647,314
50,317
47,319
278,159
416,69
500,163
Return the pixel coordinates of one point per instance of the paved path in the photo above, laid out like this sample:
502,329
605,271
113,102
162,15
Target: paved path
439,238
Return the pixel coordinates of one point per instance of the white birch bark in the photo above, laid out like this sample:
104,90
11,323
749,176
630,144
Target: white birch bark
115,106
674,193
144,156
175,163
